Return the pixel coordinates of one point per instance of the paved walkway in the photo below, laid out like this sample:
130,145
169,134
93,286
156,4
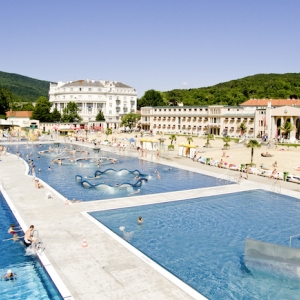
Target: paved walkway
104,270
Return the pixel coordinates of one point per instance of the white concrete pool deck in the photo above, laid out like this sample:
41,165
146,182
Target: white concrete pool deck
106,269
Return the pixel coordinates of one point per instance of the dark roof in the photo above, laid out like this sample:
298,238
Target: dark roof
95,83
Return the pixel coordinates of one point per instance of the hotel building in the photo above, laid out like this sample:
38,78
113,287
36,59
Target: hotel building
115,99
265,117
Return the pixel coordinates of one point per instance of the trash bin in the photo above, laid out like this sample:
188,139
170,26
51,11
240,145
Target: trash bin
285,174
208,161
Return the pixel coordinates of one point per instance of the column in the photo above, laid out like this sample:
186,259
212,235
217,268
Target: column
293,132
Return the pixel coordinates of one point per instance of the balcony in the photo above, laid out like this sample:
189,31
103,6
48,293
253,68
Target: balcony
226,120
125,109
118,102
118,109
251,120
154,126
238,120
231,120
199,119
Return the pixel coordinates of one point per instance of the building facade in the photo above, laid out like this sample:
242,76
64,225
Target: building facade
221,120
115,99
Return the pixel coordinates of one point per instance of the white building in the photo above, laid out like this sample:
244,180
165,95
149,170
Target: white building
265,119
115,99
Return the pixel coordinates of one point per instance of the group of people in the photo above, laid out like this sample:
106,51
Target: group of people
28,241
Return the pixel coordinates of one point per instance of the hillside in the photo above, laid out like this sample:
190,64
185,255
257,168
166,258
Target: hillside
234,92
24,89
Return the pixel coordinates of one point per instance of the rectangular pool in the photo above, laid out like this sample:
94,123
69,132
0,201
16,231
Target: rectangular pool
201,241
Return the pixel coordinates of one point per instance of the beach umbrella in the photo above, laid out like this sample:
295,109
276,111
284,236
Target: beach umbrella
131,140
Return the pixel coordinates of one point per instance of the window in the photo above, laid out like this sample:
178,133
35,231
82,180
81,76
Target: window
190,109
195,109
71,89
79,89
110,104
164,109
99,90
110,97
90,89
110,112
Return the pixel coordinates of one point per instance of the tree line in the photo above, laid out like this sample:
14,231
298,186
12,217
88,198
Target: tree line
233,93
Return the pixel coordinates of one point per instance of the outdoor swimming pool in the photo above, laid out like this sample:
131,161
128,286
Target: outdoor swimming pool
33,281
62,177
201,241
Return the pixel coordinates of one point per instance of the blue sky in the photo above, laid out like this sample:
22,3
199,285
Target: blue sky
160,45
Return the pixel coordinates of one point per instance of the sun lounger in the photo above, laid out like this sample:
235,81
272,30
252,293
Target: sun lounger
202,160
234,167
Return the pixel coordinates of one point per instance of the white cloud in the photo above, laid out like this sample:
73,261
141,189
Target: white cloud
185,83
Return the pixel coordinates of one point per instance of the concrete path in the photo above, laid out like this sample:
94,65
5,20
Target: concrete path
104,270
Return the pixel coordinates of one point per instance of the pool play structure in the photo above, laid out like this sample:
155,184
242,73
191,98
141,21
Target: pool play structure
198,233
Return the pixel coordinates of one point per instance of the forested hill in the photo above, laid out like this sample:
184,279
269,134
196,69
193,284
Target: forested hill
24,88
234,92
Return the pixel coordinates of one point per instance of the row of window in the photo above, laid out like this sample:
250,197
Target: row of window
212,111
95,90
88,96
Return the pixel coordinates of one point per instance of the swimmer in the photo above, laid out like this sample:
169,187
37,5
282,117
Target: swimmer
117,184
158,176
140,220
28,238
12,230
136,177
10,275
49,169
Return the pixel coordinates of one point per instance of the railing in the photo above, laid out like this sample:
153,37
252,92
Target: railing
291,237
276,187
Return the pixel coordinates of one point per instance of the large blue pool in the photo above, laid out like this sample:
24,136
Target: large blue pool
201,241
62,177
32,281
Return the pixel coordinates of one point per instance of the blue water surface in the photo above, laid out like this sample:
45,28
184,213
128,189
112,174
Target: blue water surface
62,177
201,241
32,280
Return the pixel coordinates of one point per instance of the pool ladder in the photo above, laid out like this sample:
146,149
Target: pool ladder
39,243
292,237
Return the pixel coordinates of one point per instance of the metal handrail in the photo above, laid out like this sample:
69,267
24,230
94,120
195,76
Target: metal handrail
291,237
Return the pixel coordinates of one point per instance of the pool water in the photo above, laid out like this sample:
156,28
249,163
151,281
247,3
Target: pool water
62,177
32,280
201,241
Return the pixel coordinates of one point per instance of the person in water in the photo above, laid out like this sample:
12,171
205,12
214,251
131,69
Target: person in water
28,237
140,220
10,275
12,230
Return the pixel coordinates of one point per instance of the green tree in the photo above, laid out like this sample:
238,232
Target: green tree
189,139
4,102
151,98
42,110
226,140
243,128
173,138
253,144
286,128
56,115
108,132
70,113
100,116
208,138
130,120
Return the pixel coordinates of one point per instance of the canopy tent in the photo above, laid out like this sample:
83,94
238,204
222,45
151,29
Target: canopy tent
149,144
186,150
